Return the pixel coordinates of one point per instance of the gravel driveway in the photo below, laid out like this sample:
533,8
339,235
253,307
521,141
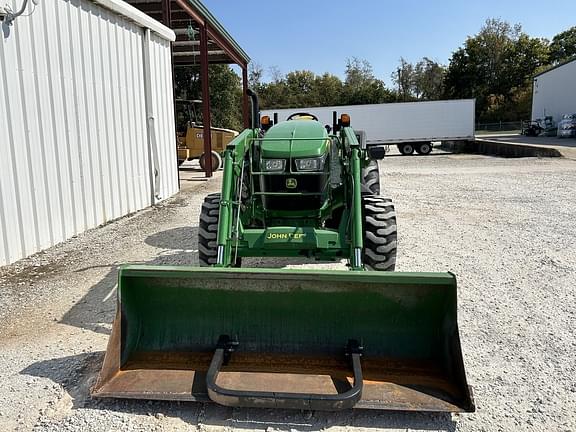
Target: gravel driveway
505,227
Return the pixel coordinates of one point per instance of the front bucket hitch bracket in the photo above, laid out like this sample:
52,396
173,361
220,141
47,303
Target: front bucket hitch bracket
354,347
265,399
228,346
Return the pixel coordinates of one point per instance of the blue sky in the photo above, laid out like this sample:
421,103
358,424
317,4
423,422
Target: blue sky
319,35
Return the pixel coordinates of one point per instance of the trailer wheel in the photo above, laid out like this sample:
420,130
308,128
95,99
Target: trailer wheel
208,230
424,148
406,149
380,240
371,178
216,161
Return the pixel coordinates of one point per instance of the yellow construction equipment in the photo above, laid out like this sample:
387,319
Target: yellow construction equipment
190,135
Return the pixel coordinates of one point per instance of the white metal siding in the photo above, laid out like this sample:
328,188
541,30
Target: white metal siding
554,92
165,129
73,129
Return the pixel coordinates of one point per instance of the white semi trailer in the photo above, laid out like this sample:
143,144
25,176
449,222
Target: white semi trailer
411,126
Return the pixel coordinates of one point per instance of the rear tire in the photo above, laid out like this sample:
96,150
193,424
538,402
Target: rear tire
216,161
424,148
406,149
371,178
208,230
380,237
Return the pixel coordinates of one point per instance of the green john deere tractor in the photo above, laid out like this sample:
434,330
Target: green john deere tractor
298,191
286,338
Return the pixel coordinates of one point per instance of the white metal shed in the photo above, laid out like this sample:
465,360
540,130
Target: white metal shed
554,92
86,120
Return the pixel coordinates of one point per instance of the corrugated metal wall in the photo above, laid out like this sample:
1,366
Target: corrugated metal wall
554,92
74,137
163,112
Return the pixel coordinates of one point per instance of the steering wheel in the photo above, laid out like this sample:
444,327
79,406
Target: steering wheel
302,114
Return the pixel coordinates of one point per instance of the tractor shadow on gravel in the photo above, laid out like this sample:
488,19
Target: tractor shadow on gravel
95,311
176,246
76,374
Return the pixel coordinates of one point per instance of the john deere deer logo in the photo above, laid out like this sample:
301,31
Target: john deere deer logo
291,183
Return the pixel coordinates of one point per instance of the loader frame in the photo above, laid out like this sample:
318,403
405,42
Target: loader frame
297,239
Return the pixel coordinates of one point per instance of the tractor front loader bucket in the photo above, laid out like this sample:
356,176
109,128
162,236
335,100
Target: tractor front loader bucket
324,340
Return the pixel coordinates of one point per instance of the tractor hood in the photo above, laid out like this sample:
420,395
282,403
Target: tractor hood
295,138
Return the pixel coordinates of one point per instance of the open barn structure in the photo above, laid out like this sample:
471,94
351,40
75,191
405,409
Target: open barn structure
200,40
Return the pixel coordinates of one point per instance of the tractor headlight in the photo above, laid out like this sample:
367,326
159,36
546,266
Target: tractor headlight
274,164
310,164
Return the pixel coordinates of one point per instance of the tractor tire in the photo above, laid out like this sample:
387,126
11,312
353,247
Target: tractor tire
380,239
208,230
371,178
406,149
424,148
216,161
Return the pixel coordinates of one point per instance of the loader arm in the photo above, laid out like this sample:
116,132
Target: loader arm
233,160
350,141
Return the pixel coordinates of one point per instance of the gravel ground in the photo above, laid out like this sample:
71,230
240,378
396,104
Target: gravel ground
504,226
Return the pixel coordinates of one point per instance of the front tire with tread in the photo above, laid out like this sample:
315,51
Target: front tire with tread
371,178
208,230
380,233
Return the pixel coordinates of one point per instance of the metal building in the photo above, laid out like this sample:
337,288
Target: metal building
554,92
86,120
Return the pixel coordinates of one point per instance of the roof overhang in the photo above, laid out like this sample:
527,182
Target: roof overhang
136,16
185,18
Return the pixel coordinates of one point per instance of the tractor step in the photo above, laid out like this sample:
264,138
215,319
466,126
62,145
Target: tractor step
325,340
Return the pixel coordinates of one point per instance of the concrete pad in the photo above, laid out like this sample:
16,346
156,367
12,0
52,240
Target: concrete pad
566,147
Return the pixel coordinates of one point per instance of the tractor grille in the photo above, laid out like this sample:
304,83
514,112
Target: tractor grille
305,184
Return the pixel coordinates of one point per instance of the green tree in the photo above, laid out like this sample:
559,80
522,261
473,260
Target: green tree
225,93
404,79
300,88
305,88
275,94
361,86
428,79
421,81
225,97
563,46
526,56
358,72
482,61
495,66
328,90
